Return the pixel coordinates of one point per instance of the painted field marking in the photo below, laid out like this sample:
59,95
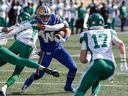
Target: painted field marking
105,85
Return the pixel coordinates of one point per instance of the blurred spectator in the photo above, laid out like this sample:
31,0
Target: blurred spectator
52,6
3,13
59,8
66,11
29,8
14,12
39,4
123,14
104,12
109,22
113,11
73,16
109,3
80,21
86,20
93,7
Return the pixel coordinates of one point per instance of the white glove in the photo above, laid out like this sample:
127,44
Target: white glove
2,36
89,57
123,67
3,41
59,39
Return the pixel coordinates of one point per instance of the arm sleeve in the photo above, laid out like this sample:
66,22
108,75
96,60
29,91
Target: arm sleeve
8,35
113,33
55,27
83,37
83,46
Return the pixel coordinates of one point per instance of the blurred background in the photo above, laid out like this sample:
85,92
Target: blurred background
73,11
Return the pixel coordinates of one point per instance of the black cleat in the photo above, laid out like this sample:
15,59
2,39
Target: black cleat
2,93
54,73
72,90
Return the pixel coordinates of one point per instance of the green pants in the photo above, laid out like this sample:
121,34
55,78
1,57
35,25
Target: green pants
23,51
3,22
8,56
72,24
98,70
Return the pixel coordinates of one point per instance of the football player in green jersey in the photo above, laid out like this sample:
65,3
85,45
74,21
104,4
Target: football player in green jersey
98,41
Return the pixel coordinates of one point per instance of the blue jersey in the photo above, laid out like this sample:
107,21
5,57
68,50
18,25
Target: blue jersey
47,42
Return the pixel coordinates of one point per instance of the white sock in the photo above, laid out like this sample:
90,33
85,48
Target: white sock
4,88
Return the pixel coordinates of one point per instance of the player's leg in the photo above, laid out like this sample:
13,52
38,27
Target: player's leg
2,62
97,71
96,88
88,79
12,79
44,60
24,52
64,58
107,70
12,58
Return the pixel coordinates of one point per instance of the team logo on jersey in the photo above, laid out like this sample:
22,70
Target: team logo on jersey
47,37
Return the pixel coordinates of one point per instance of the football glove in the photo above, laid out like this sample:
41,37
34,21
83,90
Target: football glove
59,39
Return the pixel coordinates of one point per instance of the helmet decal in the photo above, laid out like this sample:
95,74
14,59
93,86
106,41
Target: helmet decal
43,10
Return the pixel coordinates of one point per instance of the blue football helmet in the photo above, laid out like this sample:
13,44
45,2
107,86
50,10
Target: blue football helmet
44,13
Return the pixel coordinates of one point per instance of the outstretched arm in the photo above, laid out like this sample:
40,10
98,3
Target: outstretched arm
120,44
83,53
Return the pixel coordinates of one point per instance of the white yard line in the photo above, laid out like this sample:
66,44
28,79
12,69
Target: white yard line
36,56
106,85
28,71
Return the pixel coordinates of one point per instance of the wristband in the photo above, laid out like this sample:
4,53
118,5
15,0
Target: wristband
123,57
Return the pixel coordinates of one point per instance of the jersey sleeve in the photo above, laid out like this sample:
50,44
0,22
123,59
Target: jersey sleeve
83,40
83,37
113,33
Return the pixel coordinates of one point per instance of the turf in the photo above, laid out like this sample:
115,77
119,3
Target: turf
50,86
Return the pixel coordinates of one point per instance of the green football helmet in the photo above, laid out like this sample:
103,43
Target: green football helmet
95,20
24,16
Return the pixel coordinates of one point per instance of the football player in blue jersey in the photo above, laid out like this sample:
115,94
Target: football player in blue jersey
51,47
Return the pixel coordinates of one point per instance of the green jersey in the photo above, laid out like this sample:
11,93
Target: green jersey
123,11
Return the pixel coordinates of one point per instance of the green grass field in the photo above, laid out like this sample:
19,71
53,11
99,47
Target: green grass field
50,86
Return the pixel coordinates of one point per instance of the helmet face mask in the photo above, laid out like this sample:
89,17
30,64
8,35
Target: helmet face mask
44,13
95,20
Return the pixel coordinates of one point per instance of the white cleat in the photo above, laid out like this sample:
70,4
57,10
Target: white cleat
2,92
24,89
